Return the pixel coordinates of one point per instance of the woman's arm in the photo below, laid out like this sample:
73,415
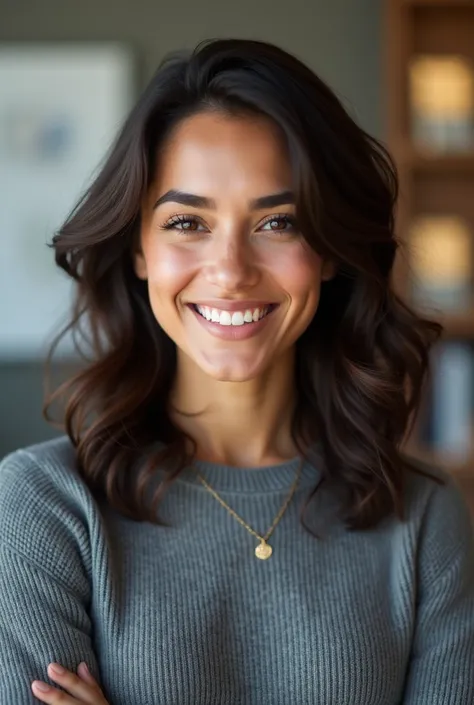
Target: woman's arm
441,666
42,620
44,587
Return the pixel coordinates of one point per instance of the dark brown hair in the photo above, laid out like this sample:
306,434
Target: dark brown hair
361,364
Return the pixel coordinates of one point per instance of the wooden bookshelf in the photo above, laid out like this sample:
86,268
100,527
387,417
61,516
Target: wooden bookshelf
447,164
439,3
461,469
459,325
430,182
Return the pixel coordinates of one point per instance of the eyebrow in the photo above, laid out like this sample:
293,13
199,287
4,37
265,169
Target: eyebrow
195,201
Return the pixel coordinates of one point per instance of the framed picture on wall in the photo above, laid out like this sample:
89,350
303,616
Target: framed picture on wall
60,108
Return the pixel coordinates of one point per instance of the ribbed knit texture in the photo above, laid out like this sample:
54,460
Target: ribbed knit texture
187,615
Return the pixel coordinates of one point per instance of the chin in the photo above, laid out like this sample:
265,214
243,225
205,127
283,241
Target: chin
231,370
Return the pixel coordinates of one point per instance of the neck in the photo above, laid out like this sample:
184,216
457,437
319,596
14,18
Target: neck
246,424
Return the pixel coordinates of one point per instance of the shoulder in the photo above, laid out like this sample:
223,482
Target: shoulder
433,490
56,450
45,469
438,512
45,506
53,461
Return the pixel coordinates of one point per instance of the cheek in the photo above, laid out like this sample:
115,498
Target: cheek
299,272
169,271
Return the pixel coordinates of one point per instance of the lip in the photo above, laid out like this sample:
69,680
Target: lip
247,330
228,305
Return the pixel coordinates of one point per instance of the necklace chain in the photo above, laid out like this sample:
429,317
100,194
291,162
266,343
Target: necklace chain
263,550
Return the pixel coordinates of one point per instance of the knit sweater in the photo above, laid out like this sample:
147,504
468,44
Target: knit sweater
186,614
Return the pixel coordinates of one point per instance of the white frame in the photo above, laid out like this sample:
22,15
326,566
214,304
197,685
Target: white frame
60,108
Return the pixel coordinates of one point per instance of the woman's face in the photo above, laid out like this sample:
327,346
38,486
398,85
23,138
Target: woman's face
230,279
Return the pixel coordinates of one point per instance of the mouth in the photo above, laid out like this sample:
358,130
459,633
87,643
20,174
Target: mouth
234,318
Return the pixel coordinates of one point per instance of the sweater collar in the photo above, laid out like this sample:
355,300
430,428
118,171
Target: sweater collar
269,478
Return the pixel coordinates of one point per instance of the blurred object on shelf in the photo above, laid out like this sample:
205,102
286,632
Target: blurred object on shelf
441,250
442,102
452,397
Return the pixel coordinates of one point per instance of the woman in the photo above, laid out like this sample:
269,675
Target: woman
230,518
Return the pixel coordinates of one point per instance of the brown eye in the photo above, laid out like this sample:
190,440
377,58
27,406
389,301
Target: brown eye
279,224
184,223
189,225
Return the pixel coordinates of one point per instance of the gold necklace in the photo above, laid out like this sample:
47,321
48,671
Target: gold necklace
263,550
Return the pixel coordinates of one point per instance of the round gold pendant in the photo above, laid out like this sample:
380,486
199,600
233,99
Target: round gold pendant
263,550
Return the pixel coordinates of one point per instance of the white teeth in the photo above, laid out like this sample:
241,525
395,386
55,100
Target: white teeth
248,317
238,318
225,318
235,318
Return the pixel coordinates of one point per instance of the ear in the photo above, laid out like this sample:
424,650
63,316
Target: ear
329,270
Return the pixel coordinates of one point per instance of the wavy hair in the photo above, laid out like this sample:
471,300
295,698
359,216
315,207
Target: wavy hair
362,363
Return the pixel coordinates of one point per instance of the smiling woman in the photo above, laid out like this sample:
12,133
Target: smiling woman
229,517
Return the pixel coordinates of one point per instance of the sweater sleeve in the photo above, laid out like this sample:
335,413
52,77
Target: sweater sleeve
441,668
44,588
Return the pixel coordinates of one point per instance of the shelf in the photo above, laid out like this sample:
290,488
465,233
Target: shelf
459,469
414,159
449,4
458,326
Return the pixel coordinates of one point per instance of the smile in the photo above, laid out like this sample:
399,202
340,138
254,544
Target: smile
233,318
234,325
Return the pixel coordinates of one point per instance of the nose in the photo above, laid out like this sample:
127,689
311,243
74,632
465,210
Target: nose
233,265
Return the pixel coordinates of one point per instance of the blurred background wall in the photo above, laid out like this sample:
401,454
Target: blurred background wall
340,39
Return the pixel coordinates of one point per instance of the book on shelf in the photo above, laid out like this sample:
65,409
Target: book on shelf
441,98
441,251
449,423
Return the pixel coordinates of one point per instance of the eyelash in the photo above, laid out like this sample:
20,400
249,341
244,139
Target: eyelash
177,219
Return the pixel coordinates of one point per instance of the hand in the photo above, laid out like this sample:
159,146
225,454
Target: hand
83,687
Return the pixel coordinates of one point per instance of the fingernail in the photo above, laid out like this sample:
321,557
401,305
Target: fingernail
83,665
56,668
39,685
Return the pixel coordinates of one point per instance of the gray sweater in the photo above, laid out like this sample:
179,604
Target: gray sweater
188,615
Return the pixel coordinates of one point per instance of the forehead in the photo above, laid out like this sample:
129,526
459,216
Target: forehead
212,152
